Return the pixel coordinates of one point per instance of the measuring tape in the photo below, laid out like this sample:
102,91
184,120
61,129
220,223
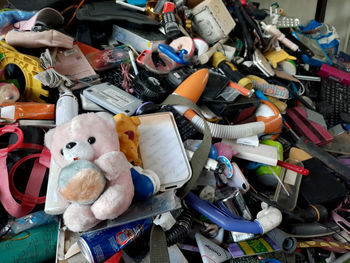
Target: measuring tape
30,66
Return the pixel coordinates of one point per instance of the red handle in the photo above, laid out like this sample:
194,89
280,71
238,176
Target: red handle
295,168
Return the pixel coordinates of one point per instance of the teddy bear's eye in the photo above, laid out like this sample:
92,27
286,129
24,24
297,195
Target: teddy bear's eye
91,140
61,151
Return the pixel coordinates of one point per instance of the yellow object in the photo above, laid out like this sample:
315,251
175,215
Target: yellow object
256,78
219,57
129,137
30,67
277,56
245,82
281,106
298,154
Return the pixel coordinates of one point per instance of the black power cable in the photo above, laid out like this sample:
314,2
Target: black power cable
176,234
148,86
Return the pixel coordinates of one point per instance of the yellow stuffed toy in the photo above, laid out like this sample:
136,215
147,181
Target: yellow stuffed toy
129,137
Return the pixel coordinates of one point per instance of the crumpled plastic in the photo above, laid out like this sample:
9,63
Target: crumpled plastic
8,18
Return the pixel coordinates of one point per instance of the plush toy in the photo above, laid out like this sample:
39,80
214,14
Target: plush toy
95,175
129,136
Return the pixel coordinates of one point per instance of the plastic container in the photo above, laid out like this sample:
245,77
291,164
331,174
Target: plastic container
291,182
109,58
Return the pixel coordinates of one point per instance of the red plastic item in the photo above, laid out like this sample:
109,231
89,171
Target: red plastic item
86,49
295,168
30,198
168,7
115,258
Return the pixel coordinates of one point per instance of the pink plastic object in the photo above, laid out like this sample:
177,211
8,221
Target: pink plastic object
297,119
183,43
8,93
339,220
327,71
281,37
225,150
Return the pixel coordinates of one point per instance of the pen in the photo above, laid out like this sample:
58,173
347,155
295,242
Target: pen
133,64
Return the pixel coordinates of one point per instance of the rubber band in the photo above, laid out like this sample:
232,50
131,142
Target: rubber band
16,239
49,68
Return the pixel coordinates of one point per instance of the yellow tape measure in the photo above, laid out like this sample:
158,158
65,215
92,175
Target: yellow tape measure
30,66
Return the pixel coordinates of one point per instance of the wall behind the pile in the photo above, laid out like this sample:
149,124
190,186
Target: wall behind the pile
337,14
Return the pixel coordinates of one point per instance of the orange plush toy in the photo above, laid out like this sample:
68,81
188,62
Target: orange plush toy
129,137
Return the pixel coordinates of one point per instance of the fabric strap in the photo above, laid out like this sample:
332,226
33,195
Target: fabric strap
158,244
200,156
7,188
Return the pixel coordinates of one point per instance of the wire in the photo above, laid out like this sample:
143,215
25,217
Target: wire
50,77
302,88
74,14
126,84
68,8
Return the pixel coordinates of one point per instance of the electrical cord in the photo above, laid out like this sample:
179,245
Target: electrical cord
176,234
50,77
74,14
126,84
148,87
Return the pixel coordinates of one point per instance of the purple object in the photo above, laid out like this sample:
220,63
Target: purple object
334,73
345,160
222,217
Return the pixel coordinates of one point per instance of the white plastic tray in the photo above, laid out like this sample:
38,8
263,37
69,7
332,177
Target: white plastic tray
162,150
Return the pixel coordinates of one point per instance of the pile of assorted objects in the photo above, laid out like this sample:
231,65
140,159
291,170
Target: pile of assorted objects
172,131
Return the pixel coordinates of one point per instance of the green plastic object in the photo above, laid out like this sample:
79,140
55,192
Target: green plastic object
263,173
34,245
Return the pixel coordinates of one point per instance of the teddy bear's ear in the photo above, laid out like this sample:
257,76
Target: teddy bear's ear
107,117
48,138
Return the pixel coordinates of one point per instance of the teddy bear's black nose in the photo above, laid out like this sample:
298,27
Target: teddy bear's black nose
70,145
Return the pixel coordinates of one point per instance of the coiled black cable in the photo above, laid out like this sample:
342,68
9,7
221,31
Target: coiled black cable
148,86
176,234
181,228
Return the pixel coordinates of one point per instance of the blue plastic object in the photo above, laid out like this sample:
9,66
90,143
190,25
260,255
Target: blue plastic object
178,57
312,61
8,18
141,3
222,216
313,24
144,187
260,95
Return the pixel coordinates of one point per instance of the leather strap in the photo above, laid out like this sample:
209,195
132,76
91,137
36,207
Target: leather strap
30,198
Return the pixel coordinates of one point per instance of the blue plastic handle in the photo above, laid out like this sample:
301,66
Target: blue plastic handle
222,217
171,53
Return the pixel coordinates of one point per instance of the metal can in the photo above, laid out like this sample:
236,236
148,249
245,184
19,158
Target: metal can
98,246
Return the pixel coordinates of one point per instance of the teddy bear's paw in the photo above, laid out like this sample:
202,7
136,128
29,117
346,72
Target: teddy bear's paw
79,218
112,164
113,202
